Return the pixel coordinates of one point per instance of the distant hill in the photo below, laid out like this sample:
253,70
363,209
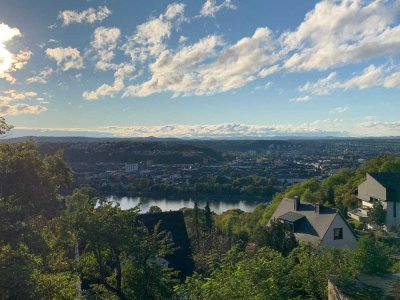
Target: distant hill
67,139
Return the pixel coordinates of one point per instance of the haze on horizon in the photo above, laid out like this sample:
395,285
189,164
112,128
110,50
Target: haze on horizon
200,69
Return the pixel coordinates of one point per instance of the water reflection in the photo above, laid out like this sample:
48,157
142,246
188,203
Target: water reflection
217,206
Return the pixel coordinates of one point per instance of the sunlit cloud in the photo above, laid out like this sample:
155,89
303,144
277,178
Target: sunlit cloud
66,58
10,62
41,77
210,7
90,15
7,109
229,130
371,76
300,99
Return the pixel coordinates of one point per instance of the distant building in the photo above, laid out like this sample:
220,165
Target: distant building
174,224
383,188
131,168
315,223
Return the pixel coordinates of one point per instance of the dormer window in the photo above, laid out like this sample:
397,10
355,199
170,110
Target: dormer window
338,233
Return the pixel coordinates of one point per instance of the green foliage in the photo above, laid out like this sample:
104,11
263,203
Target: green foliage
208,221
392,165
44,249
4,127
154,209
266,274
312,268
370,256
29,198
338,189
30,185
270,209
277,236
17,272
243,276
117,256
377,214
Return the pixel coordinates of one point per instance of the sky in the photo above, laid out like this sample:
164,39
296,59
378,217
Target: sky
200,69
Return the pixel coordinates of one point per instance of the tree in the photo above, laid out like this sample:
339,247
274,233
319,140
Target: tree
208,221
262,275
4,127
330,195
267,274
392,165
154,209
29,198
17,268
370,256
196,222
277,236
377,214
117,256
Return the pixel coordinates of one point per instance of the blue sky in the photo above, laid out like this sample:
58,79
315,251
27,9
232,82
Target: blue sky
210,68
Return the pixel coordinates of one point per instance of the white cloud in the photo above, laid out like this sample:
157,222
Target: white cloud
371,126
7,109
230,130
66,58
13,95
150,36
10,62
269,71
104,42
182,39
339,109
90,15
42,76
370,76
300,99
264,87
392,80
174,71
342,32
111,90
210,7
10,102
187,71
6,34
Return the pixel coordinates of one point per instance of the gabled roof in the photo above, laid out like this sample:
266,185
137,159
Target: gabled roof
312,225
388,180
174,223
291,217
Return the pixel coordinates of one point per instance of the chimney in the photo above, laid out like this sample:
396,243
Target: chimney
296,203
318,208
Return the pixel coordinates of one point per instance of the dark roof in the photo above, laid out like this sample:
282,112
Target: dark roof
291,216
313,226
388,180
173,223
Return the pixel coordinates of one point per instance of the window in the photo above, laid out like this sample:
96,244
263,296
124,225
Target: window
338,233
373,200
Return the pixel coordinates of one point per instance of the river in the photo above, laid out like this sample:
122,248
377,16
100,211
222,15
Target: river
217,206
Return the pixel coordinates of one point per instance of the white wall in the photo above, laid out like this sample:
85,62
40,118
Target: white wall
348,241
371,188
390,220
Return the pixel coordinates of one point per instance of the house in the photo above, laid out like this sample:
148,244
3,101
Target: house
173,223
315,223
383,188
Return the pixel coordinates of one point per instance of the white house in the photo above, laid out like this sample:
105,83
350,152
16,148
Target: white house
383,188
315,223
